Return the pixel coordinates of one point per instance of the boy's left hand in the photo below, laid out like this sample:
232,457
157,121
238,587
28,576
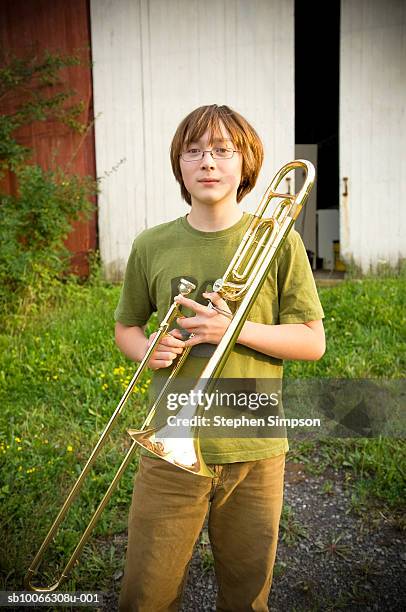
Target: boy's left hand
207,325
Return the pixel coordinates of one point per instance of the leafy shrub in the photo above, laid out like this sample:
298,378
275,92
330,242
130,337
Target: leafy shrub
34,226
36,220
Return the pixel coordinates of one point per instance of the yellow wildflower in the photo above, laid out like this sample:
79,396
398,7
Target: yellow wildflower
69,448
17,439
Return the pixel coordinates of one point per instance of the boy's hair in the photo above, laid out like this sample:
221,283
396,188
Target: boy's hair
243,135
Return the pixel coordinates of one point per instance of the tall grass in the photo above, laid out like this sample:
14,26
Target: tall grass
61,376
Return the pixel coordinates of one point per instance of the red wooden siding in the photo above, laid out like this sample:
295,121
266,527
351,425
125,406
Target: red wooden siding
29,27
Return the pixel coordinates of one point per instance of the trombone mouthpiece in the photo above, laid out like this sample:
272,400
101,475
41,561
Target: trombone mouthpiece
185,287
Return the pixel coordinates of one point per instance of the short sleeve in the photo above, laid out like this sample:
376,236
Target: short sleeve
298,298
135,305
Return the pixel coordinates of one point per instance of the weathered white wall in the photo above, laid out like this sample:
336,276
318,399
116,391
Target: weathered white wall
154,62
373,131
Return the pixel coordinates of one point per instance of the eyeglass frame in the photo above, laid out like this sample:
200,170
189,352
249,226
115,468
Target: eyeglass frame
211,153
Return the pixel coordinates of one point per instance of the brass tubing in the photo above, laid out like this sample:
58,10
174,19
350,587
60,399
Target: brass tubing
158,440
172,313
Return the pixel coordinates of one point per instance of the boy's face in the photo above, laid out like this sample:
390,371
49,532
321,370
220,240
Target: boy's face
212,181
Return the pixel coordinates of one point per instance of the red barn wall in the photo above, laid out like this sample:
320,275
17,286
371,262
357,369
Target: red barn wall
59,26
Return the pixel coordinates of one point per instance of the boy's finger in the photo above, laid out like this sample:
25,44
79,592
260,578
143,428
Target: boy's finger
151,338
165,355
195,306
170,340
159,364
217,300
193,341
176,333
211,295
173,349
189,323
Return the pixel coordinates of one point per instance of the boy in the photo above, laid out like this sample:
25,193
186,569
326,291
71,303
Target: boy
216,157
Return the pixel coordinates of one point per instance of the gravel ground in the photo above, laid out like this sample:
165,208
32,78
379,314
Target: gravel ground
329,557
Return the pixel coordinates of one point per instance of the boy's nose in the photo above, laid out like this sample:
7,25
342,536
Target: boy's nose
207,160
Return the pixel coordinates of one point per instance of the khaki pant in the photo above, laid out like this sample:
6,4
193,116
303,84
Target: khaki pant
167,514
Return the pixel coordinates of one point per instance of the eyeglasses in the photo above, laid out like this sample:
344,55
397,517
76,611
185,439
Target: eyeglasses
217,153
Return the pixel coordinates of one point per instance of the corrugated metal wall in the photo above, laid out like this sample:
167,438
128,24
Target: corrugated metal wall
154,62
373,131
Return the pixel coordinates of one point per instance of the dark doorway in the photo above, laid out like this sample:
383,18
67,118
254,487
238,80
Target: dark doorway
317,52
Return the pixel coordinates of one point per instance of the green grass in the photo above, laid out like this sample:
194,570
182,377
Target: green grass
61,377
365,329
291,529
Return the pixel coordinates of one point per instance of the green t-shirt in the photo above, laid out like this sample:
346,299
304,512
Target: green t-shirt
164,254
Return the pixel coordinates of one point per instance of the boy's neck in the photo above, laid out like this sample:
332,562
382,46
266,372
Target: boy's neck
210,219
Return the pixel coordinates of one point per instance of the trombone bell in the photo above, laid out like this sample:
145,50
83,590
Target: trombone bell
184,453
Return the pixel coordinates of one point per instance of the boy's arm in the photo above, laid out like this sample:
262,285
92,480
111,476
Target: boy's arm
131,340
285,341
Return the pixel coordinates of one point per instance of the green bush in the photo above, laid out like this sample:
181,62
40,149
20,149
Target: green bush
36,220
34,225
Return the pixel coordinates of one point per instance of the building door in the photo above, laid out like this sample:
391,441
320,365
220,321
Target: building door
316,123
372,131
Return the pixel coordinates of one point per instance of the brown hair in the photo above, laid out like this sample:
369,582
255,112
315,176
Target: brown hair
241,132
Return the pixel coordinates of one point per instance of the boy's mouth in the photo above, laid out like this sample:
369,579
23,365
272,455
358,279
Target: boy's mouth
208,180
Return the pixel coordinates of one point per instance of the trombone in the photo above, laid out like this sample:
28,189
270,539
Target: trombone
241,283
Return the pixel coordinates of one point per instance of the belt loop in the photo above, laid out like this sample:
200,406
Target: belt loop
215,481
216,469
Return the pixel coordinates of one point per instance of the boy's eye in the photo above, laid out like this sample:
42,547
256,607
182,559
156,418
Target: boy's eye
221,150
193,150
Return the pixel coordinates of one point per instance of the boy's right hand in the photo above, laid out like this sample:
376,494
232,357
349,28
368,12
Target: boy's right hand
167,350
